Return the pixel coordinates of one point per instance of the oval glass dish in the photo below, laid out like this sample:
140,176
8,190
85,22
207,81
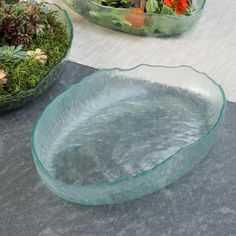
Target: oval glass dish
122,134
122,18
21,98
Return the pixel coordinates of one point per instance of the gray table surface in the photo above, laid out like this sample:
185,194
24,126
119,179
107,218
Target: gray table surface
201,203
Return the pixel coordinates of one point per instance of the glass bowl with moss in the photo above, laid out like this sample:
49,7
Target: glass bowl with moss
32,52
142,17
122,134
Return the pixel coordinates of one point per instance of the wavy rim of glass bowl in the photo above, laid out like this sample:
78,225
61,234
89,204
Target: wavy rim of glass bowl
148,14
28,93
126,178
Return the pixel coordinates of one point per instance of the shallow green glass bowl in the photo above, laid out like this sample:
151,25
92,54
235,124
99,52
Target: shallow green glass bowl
154,24
19,99
122,134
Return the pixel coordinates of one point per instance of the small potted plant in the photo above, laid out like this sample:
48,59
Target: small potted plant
142,17
34,41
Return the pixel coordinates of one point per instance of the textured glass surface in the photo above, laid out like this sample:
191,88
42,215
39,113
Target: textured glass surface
153,24
25,96
121,134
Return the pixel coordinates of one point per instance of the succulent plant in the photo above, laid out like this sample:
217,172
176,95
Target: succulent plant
38,55
22,22
3,77
12,53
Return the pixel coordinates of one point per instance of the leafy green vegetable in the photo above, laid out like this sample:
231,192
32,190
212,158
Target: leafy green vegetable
151,6
166,10
111,20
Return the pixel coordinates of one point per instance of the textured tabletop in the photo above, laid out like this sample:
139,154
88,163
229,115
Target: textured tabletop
201,203
210,47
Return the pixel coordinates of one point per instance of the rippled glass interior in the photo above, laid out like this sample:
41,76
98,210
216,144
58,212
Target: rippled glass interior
153,24
116,125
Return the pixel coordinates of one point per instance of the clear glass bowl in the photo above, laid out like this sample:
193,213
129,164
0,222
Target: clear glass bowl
23,97
153,24
122,134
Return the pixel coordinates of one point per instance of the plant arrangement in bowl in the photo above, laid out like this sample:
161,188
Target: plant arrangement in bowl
34,41
142,17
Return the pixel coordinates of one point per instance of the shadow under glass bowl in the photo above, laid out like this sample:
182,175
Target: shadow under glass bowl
152,24
122,134
21,98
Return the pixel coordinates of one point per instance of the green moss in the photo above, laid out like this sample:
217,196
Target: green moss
26,74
